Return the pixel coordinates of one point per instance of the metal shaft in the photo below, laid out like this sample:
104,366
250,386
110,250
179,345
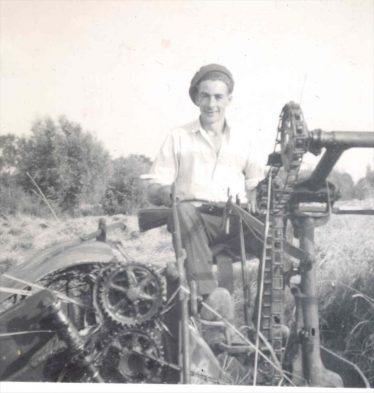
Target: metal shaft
297,363
342,139
310,307
184,330
246,291
335,142
314,371
318,177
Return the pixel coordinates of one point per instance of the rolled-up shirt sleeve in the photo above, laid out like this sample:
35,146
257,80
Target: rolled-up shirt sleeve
254,173
165,167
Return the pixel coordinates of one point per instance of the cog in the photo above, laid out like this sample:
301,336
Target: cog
131,294
294,135
132,356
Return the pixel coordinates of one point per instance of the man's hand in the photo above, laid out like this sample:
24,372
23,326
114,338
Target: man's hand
165,196
252,201
172,271
159,195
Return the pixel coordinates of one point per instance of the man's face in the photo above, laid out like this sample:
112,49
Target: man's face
212,98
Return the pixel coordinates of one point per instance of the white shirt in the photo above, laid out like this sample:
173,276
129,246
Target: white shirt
188,158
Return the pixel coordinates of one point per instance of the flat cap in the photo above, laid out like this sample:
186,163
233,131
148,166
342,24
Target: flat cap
217,72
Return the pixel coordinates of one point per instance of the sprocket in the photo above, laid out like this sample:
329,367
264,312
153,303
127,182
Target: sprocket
293,135
131,294
132,355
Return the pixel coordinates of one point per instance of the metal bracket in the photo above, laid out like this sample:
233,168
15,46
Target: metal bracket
306,338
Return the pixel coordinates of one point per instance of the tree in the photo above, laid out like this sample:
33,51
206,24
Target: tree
38,157
365,186
85,168
9,151
344,183
125,191
13,199
69,164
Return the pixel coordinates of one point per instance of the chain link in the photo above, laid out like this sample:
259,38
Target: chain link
291,144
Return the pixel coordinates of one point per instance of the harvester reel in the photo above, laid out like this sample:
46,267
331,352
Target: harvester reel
131,294
132,355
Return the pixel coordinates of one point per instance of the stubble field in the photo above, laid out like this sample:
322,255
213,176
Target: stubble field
345,269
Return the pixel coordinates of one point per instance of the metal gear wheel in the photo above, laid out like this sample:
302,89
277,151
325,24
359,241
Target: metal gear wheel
294,135
132,355
131,294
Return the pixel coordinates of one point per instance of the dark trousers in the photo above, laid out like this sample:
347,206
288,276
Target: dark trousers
203,233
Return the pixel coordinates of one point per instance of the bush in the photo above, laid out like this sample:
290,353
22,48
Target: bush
344,183
69,165
14,200
72,170
126,192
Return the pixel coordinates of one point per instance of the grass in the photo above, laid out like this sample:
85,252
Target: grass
345,270
346,290
22,236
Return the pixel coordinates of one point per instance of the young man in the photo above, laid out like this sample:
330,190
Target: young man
206,160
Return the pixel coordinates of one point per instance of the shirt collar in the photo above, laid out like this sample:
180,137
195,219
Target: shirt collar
197,127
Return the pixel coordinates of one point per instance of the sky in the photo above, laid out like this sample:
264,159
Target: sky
122,68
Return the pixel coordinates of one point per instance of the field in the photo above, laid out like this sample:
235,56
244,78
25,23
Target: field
345,269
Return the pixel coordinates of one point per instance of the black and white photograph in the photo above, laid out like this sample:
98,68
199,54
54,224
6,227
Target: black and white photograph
186,195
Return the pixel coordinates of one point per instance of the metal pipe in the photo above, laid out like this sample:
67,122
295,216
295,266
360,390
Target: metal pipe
335,142
310,308
318,177
364,212
183,297
314,370
298,365
341,139
246,291
76,344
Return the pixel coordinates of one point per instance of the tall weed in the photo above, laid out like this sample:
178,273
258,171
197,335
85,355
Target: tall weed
345,251
14,200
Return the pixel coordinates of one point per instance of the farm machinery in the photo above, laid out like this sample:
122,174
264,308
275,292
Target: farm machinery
83,311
